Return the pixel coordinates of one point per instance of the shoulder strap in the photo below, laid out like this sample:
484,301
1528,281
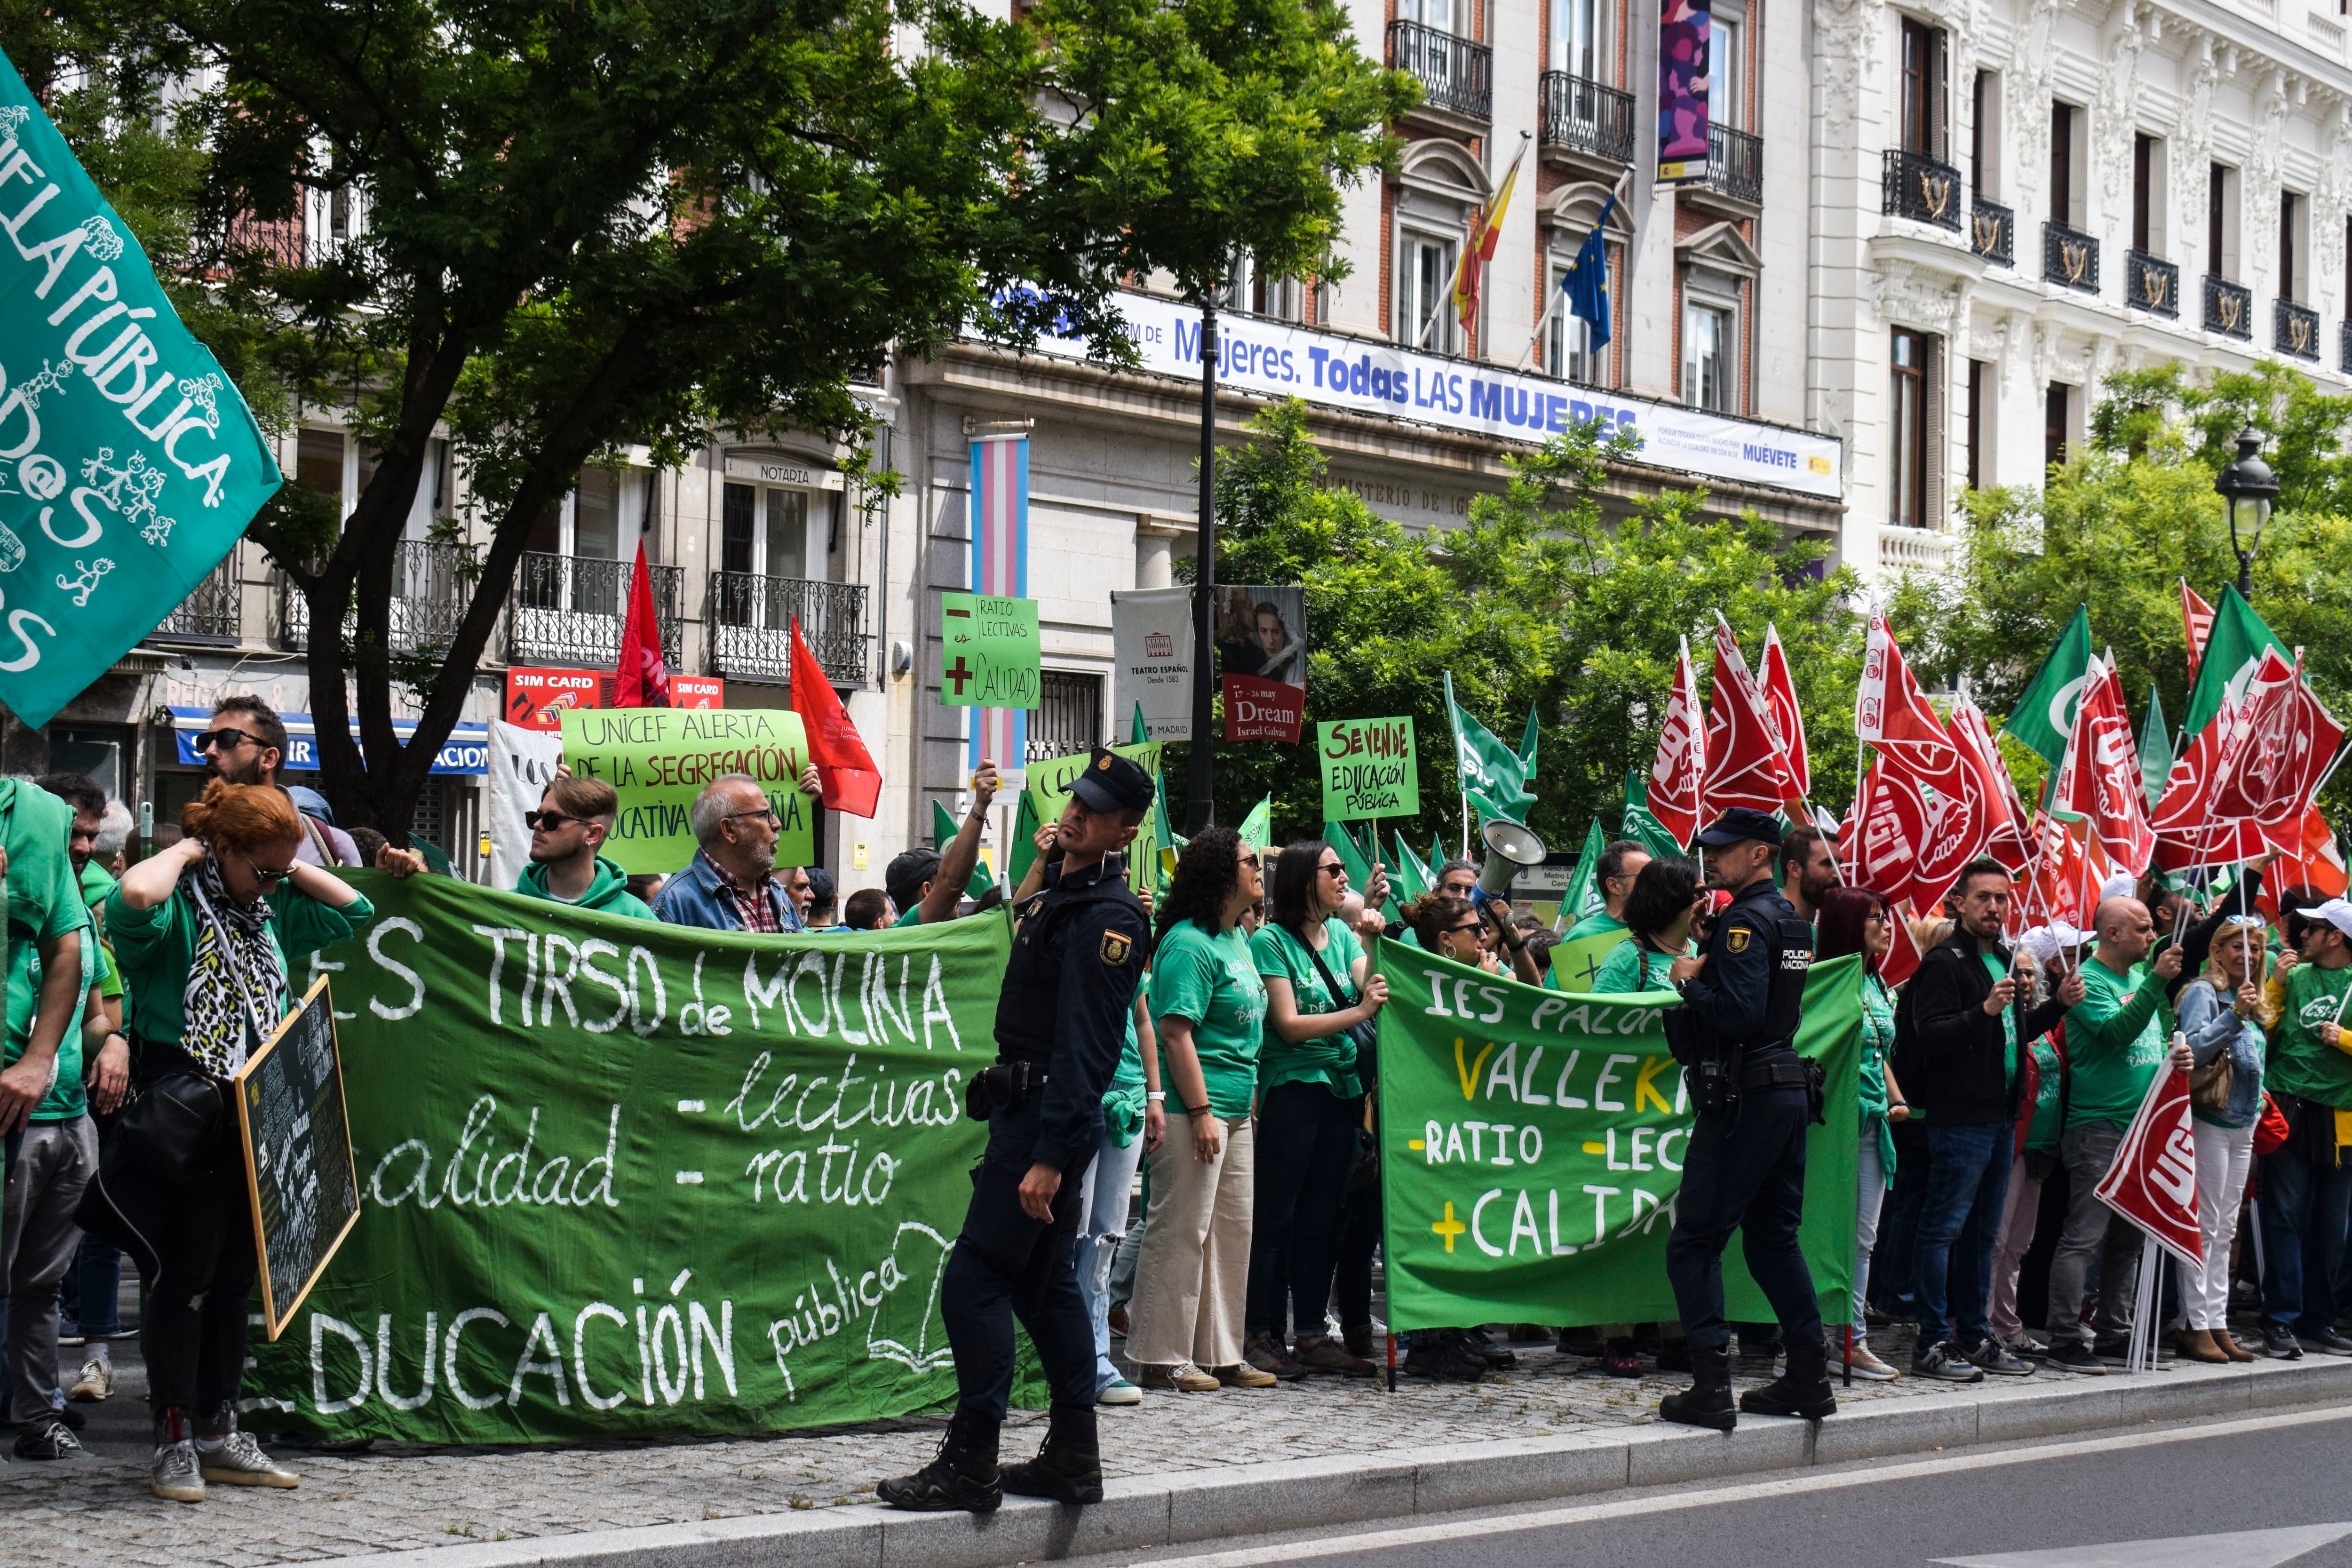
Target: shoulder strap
1338,994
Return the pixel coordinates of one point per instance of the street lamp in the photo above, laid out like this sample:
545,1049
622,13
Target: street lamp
2247,488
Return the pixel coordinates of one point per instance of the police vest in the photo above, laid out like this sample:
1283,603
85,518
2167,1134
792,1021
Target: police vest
1792,957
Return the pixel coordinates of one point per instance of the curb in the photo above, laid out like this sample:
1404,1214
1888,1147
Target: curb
1149,1511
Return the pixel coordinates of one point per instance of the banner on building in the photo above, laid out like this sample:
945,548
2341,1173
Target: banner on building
1000,568
1261,662
1532,1145
621,1180
659,758
129,463
1152,645
536,698
1684,49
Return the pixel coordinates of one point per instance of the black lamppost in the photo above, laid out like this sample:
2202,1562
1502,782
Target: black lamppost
2247,487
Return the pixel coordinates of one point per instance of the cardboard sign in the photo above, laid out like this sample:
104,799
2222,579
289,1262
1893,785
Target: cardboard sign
298,1155
536,698
661,758
992,657
1368,768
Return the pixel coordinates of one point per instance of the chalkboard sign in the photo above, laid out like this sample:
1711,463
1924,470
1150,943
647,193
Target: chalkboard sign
298,1155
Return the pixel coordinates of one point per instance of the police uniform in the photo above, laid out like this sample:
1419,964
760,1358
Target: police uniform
1078,953
1745,1169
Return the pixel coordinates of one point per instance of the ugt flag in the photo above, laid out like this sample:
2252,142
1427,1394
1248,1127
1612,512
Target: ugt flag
128,464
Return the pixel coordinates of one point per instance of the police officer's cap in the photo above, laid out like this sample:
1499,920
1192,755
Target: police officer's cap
1741,825
1111,783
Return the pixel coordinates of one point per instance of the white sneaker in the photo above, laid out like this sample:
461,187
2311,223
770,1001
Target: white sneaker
173,1476
97,1381
1119,1391
1867,1365
240,1462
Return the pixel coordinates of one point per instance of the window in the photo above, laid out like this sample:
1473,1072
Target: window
319,462
1426,302
1576,39
1923,88
1907,408
2056,412
2221,222
2062,163
1726,66
763,531
1984,171
2292,271
1567,342
2146,182
1069,715
1981,389
1707,351
1282,299
1437,14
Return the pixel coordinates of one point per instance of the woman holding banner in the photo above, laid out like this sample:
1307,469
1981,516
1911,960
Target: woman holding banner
2221,1013
204,931
1660,912
1855,920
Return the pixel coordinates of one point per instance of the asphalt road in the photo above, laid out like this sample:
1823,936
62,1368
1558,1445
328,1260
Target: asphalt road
2246,1493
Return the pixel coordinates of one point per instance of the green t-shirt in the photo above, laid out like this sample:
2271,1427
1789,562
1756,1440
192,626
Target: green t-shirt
2114,1043
157,946
913,917
1330,1059
1620,972
1577,958
1212,981
1999,971
2041,1132
2300,1064
44,901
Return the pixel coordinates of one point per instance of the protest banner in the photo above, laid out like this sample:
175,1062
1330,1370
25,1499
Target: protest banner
623,1180
1262,662
1531,1149
129,463
661,758
1049,787
991,657
1151,651
1368,768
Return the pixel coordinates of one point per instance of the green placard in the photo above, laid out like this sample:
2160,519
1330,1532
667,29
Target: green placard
992,654
1368,768
1049,787
661,758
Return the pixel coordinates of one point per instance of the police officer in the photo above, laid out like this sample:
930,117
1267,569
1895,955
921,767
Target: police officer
1745,1165
1078,951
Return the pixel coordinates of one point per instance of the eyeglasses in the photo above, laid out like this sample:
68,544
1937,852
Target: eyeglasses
267,877
226,740
550,820
767,810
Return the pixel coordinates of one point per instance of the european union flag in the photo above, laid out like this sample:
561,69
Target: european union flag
1586,282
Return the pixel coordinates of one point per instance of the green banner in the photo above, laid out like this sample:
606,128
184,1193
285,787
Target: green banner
1368,768
1532,1148
128,464
661,758
627,1180
992,657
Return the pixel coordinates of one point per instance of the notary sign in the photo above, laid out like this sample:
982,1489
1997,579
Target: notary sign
659,758
128,465
298,1155
991,654
1369,769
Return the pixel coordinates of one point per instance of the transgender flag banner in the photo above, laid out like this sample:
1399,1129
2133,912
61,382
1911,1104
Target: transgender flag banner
1000,567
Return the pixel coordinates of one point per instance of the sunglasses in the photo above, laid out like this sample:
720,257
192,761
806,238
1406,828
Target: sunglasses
1333,868
1251,861
1455,931
549,820
226,740
265,877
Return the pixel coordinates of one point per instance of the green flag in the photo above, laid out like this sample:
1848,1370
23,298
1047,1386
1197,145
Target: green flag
1139,731
1258,827
1532,1147
2232,650
1351,850
2044,716
1413,875
2155,750
1576,957
132,465
1024,840
1495,777
943,832
1639,825
1583,895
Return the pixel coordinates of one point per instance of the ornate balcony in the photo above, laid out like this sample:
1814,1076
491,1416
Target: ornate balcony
569,609
2344,347
1914,186
749,619
1735,164
1455,75
2151,285
2070,257
1993,232
2229,310
1582,116
431,588
2294,329
210,612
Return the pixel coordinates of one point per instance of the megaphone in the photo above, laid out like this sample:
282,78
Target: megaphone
1510,849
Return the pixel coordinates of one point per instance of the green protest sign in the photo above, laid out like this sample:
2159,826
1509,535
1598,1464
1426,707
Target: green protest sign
1532,1144
128,464
1368,768
661,758
991,657
1049,788
621,1180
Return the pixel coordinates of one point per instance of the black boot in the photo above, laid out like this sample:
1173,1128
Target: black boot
1708,1401
1069,1469
1803,1390
963,1474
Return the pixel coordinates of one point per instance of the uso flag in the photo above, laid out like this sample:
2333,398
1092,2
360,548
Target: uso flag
1000,568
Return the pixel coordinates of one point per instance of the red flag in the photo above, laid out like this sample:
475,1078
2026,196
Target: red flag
2012,831
1745,765
2196,621
1961,824
1902,958
1677,774
2315,862
2100,781
2153,1181
847,777
1780,706
1880,842
2313,736
640,680
1892,714
2255,768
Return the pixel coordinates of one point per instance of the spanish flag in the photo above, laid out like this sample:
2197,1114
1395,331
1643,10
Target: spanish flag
1485,229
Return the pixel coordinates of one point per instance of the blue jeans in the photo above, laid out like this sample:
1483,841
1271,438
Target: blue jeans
1959,1220
1102,1225
2305,1212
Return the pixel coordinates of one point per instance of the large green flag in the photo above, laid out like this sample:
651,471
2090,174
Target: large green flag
1495,777
2044,716
943,832
1640,825
1414,876
129,463
2233,648
1342,838
2155,750
1532,1146
623,1180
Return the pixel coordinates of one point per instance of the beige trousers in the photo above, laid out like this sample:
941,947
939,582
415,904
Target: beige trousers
1191,1282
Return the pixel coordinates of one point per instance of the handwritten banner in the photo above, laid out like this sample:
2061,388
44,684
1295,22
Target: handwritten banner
992,657
661,758
1369,769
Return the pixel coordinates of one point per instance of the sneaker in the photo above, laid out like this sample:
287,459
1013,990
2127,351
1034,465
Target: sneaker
1320,1353
173,1476
2279,1342
1119,1391
2114,1349
69,1416
2023,1343
69,1334
1994,1357
47,1437
240,1462
1942,1361
96,1382
1182,1378
1266,1355
1116,1319
2328,1340
1242,1375
1436,1354
2074,1356
1869,1368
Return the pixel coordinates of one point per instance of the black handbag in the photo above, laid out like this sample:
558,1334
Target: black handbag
172,1124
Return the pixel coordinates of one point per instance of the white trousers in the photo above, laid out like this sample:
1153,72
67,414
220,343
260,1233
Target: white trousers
2223,1155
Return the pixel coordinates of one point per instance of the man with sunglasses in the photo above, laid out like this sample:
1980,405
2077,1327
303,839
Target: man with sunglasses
246,745
731,884
574,818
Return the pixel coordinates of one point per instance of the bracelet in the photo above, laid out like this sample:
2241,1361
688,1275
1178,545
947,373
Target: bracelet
1154,1096
1198,1110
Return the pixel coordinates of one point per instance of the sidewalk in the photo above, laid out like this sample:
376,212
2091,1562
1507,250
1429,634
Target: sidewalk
1184,1467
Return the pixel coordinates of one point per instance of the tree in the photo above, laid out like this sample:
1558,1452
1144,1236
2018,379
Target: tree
643,222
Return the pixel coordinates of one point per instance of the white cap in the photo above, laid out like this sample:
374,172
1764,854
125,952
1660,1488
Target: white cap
2122,885
2046,943
2335,911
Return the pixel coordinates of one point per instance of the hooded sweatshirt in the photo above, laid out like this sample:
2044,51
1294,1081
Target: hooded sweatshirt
608,890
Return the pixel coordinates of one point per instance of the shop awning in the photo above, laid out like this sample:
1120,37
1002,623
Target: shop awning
466,750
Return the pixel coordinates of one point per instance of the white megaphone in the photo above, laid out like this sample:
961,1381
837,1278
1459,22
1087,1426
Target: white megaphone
1510,849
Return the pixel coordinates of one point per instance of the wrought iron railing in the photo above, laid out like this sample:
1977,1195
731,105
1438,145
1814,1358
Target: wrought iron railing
1454,73
1584,115
1993,231
1735,164
1923,189
2228,308
2344,347
569,609
2150,284
2294,329
749,618
209,614
2070,257
430,591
